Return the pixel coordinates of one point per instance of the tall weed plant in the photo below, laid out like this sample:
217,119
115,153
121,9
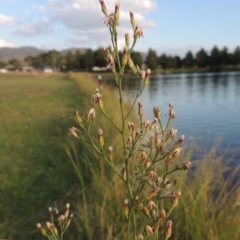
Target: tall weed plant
149,151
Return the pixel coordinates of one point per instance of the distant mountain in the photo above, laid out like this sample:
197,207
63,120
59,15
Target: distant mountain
7,53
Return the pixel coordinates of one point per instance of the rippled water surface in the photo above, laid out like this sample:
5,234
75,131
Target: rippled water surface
207,108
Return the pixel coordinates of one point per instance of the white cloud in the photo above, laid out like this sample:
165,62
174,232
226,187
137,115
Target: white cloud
39,8
5,43
34,28
85,19
5,19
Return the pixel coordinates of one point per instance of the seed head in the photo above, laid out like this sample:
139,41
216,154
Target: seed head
74,132
138,32
91,114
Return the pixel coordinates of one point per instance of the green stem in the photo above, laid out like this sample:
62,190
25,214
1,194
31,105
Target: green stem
168,123
111,120
105,158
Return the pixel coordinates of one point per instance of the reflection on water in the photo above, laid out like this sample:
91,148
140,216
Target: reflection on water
207,107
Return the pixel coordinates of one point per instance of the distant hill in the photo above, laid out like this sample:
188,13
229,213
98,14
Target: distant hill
7,53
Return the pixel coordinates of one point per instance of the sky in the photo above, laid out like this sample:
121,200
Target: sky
169,26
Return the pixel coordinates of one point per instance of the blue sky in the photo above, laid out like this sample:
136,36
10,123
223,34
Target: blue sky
171,26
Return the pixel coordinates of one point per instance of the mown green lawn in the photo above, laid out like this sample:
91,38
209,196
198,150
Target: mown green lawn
35,114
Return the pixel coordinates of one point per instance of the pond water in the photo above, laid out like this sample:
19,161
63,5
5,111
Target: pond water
207,107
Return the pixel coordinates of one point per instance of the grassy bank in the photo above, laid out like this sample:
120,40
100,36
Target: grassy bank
40,164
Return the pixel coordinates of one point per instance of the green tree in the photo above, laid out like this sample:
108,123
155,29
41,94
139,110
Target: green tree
152,59
202,59
99,58
54,60
225,60
137,58
236,56
88,59
69,61
189,61
215,57
162,61
14,62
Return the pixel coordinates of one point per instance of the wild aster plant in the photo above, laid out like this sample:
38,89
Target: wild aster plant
57,224
150,151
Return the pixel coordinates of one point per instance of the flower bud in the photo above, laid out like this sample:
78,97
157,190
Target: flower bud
126,208
168,230
146,211
146,80
42,230
153,124
78,119
69,220
125,56
127,42
132,19
140,237
175,154
179,142
172,114
151,205
100,139
140,109
147,164
183,166
157,113
142,157
100,82
67,210
149,230
153,193
131,64
110,153
51,214
103,6
116,13
175,199
171,133
124,172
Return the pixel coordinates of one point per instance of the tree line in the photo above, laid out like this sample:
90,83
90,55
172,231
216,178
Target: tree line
77,61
